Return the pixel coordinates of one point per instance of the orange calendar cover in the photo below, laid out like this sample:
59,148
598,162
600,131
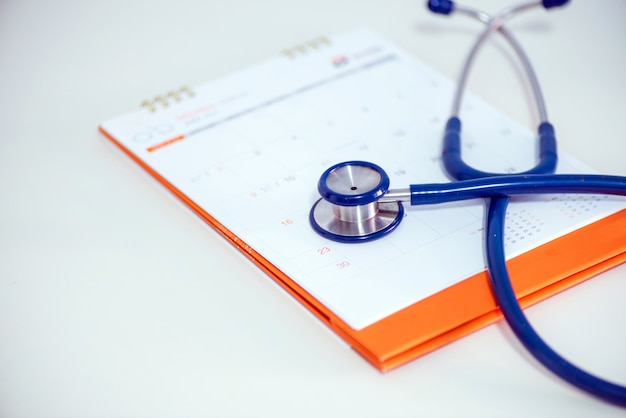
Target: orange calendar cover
245,156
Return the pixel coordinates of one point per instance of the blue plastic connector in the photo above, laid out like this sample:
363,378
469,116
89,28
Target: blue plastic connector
442,7
548,4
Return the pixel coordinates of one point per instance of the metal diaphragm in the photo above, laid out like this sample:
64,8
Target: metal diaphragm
349,210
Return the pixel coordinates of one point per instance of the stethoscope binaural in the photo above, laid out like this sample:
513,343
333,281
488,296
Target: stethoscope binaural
357,205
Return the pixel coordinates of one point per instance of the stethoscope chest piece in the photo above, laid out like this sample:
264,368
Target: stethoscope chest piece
349,210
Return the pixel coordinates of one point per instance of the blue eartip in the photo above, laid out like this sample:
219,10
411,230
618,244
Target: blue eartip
548,4
443,7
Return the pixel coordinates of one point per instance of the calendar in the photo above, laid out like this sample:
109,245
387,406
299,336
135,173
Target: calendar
246,152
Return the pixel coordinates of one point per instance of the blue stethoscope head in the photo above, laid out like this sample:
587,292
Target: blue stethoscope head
349,210
353,183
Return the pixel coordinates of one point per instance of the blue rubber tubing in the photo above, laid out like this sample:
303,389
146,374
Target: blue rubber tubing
514,315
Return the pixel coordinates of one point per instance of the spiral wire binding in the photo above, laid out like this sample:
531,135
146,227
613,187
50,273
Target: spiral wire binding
173,96
305,47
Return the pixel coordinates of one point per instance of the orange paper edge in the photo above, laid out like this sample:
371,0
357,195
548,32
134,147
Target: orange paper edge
459,309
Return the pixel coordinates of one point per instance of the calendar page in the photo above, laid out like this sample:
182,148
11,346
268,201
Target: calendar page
249,150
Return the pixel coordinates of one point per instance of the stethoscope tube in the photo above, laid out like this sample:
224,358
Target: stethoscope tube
496,213
519,324
360,208
499,186
455,166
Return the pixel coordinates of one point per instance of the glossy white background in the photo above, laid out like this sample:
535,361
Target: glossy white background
117,301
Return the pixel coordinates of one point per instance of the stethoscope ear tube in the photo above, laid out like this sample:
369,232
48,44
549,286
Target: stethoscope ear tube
454,164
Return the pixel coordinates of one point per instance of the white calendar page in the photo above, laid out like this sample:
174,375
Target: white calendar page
249,150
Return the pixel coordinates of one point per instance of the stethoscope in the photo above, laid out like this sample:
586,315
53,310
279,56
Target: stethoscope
358,206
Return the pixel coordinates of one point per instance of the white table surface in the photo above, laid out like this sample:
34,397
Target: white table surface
117,301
